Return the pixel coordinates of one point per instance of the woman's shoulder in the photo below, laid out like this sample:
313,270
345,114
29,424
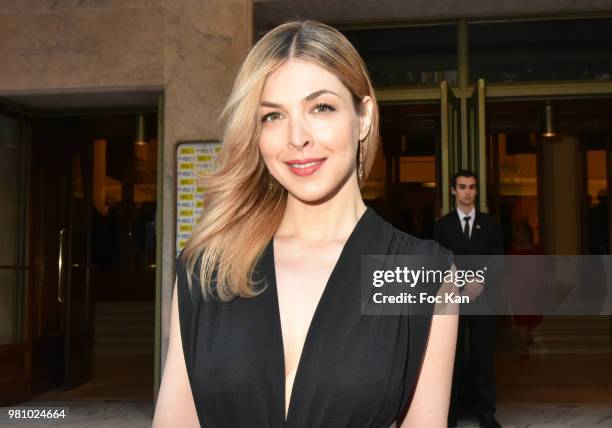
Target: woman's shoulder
402,243
188,285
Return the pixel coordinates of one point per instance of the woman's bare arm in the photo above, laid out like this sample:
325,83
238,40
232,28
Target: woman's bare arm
175,405
429,406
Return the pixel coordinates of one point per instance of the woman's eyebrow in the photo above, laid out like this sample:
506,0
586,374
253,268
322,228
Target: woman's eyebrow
306,98
321,92
270,104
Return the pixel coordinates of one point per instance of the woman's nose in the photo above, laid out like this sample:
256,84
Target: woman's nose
299,136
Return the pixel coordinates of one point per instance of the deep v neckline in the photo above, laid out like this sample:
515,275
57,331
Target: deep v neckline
315,317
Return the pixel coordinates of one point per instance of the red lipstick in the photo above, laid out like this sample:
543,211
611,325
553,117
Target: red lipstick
305,167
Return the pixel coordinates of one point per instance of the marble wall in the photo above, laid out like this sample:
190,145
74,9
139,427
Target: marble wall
206,42
188,49
79,48
10,7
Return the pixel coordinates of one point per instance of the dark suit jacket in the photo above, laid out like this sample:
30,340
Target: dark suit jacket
486,239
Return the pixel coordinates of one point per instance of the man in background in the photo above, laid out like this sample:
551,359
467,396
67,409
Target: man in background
467,232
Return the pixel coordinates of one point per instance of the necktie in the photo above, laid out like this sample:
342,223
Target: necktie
466,228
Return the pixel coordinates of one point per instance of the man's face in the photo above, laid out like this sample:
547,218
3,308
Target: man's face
465,190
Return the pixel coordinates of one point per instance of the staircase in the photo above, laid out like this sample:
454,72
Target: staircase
124,328
562,336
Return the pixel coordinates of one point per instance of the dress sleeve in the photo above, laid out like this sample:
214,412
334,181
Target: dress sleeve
420,319
189,301
188,306
444,256
440,259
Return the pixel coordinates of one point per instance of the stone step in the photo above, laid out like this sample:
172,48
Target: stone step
124,328
562,335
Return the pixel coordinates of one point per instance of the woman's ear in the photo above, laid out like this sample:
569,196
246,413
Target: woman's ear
365,120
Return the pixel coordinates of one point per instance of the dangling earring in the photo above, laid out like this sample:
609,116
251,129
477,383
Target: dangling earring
360,167
270,182
271,185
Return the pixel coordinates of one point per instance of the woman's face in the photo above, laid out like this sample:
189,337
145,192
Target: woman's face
310,130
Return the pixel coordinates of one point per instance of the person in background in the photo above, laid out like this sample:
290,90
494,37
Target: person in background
526,289
467,231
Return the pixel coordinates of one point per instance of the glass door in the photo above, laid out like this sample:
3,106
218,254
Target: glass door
59,241
477,140
15,339
402,186
75,271
450,153
455,153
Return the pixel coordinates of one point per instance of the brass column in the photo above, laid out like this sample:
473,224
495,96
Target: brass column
463,77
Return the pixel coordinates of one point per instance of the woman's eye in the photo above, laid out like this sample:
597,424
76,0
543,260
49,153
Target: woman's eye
270,116
322,107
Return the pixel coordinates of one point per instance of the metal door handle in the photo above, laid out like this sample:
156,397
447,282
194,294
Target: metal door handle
60,263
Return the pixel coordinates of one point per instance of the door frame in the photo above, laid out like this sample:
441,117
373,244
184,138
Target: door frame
159,221
499,90
527,90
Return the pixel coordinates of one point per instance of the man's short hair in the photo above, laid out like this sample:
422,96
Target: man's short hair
463,173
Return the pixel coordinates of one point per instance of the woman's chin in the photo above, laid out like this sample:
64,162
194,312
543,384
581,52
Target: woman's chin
311,195
319,191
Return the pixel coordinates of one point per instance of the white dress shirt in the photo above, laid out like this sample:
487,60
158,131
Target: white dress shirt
472,215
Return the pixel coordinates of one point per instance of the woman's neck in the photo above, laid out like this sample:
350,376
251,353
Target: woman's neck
330,220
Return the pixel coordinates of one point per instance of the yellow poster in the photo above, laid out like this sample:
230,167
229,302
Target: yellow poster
191,158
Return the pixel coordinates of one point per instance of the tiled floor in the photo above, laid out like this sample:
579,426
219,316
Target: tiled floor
117,414
543,391
94,414
552,416
114,377
579,379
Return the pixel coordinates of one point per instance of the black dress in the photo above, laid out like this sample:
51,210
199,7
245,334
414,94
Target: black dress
354,371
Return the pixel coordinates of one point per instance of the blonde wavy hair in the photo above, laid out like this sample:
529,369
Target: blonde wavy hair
243,203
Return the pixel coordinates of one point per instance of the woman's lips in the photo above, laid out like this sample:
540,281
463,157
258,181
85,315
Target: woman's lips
305,167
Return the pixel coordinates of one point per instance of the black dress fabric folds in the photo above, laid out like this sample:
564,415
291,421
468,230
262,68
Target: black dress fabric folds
355,370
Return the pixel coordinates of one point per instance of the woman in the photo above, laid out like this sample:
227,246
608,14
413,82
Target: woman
266,323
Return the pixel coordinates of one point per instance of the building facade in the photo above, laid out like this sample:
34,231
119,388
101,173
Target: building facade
460,84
